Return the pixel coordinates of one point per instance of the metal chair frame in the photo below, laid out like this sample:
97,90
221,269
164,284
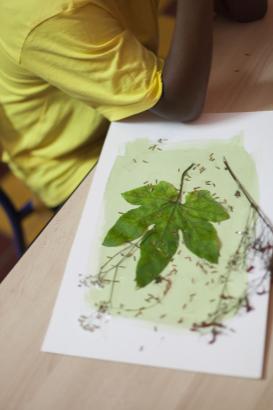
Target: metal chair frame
15,217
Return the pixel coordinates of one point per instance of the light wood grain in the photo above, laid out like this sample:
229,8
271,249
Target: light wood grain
31,380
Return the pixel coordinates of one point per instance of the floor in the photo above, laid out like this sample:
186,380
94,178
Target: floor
19,193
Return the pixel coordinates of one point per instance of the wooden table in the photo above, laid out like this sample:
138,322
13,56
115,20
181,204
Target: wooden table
242,80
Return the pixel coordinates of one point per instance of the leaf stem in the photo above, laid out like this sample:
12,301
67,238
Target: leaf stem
179,198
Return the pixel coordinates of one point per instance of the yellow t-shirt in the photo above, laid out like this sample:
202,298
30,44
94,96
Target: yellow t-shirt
66,68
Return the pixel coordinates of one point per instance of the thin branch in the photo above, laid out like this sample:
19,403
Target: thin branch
252,202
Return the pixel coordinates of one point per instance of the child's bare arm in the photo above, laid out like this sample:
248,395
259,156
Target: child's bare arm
186,70
242,10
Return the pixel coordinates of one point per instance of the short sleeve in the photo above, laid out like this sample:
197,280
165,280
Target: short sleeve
88,55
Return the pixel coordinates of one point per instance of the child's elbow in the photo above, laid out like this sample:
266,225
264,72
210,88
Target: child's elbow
179,108
187,114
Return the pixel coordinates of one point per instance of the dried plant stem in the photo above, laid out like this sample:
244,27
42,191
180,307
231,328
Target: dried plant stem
133,247
252,202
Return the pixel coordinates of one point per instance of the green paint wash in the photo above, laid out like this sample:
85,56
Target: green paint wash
190,292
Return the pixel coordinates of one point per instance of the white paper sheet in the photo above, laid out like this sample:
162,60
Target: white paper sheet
238,352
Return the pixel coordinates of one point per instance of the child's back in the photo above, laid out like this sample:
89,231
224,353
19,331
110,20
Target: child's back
66,66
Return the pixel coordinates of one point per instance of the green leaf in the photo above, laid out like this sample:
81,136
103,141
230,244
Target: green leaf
157,248
202,205
157,222
201,238
148,195
128,227
135,222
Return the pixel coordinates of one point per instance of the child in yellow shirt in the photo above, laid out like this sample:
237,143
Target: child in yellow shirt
68,67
